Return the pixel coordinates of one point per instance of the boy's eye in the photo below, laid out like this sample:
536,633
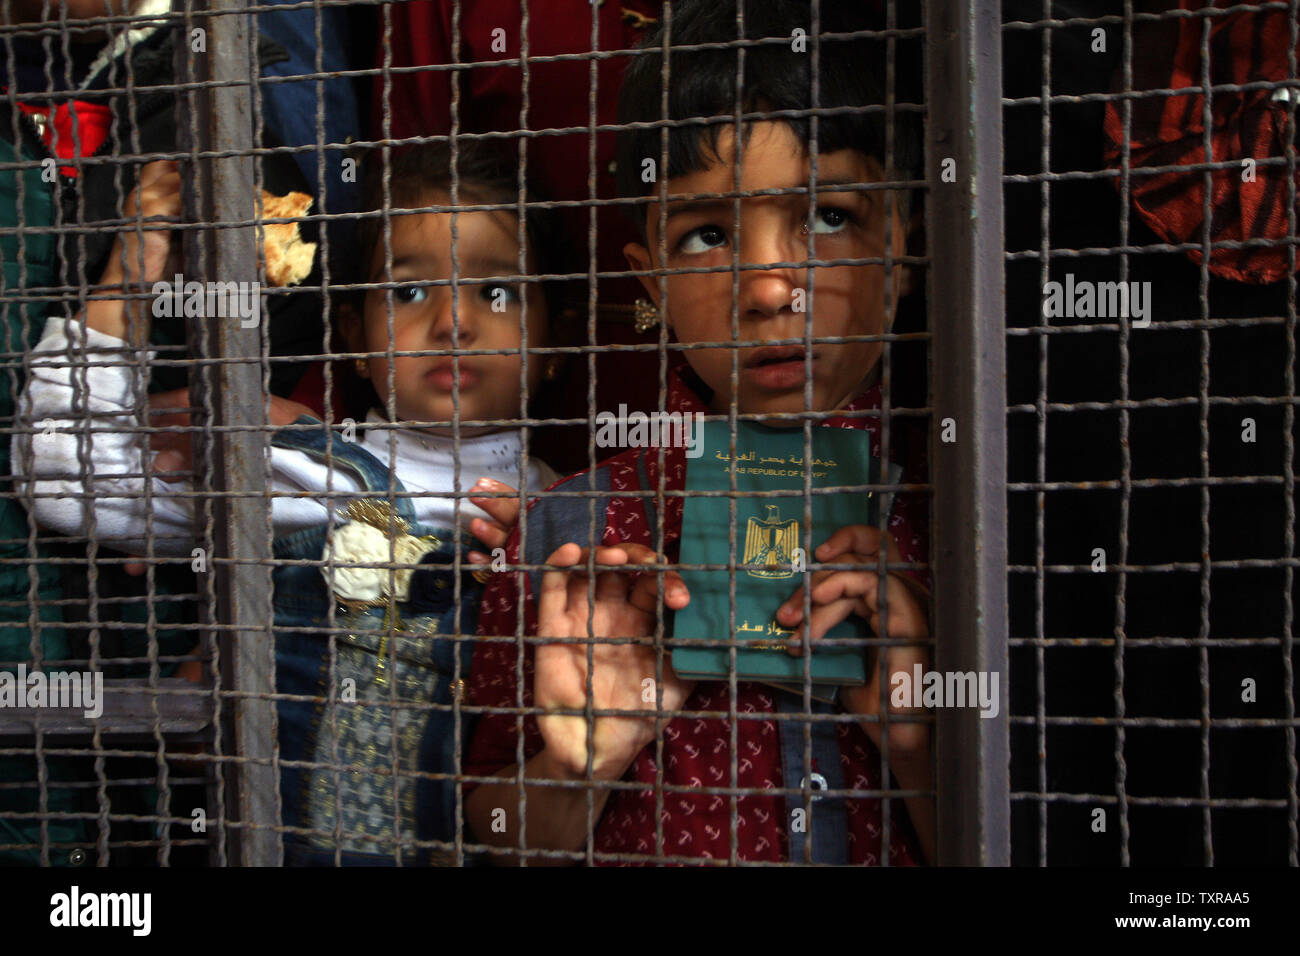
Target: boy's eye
701,240
497,292
831,219
409,295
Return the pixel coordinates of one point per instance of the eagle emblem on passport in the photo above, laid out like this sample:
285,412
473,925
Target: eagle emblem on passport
771,542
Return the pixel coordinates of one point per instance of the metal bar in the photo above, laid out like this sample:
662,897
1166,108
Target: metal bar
968,361
235,463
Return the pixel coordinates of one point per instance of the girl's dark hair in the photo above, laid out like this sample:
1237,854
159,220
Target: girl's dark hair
488,173
775,76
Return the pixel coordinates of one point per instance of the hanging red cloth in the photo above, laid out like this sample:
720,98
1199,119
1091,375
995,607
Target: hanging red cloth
1248,201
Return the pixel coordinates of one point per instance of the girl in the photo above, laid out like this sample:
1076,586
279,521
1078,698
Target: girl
366,529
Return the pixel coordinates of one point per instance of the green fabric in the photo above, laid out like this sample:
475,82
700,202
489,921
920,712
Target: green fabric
28,261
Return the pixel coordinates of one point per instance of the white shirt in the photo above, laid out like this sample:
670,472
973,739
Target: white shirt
96,423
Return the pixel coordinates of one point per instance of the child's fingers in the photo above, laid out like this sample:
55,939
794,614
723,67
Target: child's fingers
824,617
790,612
644,595
162,197
490,533
609,584
157,193
158,169
859,538
858,543
840,584
553,601
504,510
907,615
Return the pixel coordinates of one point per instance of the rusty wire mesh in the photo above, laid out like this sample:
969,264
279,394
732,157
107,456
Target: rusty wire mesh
1120,687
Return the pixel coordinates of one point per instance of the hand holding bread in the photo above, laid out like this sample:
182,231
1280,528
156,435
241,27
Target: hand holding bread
139,256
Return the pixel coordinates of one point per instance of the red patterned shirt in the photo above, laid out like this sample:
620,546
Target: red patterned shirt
697,752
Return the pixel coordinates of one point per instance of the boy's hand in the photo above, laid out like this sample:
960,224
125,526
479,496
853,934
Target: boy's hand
625,605
504,513
837,594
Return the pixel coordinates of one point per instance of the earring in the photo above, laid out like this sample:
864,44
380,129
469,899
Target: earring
646,316
552,370
363,369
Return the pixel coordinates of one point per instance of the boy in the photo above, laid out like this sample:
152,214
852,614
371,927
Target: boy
682,809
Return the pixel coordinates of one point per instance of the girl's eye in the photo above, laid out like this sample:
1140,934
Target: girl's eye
508,294
701,240
831,219
410,295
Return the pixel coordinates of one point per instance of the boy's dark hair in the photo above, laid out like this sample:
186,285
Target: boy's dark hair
775,77
488,173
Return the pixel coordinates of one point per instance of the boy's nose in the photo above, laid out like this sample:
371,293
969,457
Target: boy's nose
766,292
460,329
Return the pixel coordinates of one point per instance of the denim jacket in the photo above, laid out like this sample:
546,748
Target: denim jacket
389,701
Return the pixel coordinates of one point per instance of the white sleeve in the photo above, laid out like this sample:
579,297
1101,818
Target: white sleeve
77,448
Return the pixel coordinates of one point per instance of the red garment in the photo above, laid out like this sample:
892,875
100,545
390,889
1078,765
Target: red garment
696,752
56,126
491,98
1165,130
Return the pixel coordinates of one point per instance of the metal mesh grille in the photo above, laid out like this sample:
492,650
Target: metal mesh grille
251,716
1152,531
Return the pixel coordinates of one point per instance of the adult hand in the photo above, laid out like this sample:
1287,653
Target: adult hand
174,449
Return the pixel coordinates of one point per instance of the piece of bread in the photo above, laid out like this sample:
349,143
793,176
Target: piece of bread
288,258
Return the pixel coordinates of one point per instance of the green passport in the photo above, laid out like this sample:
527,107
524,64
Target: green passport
769,533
